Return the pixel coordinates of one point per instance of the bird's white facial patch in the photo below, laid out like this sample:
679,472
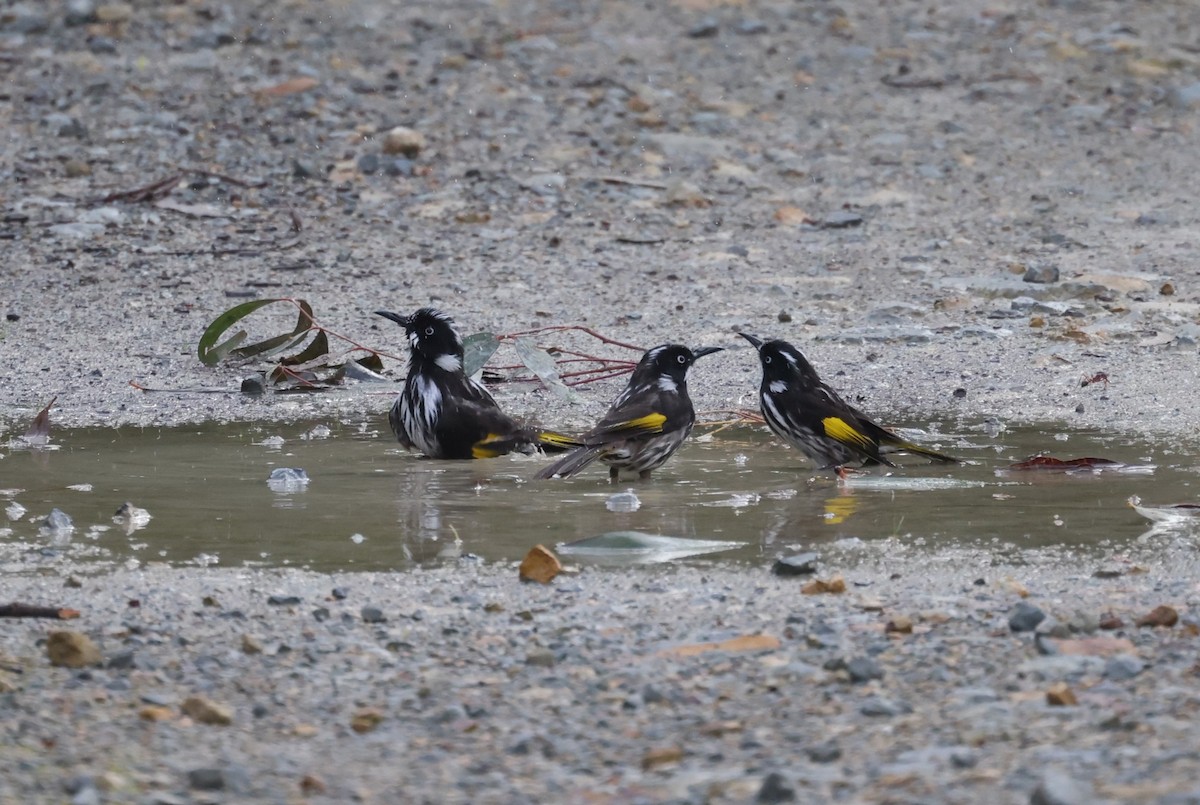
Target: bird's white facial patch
777,387
448,363
667,383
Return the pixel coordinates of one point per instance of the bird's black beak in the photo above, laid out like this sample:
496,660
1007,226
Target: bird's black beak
702,351
396,317
754,341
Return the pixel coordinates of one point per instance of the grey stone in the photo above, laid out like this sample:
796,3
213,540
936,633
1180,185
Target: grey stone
283,600
1056,787
705,29
540,657
1040,273
800,564
121,660
1121,667
372,615
79,12
368,163
863,669
1025,617
1187,97
841,219
775,788
207,779
824,753
878,706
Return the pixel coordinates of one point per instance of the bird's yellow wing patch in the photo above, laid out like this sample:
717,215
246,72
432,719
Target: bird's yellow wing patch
481,450
650,423
551,439
844,432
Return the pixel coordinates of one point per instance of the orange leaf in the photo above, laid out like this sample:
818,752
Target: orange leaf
757,642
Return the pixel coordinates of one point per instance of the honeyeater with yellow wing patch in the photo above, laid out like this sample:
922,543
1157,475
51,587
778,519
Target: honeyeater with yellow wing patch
648,421
445,414
810,416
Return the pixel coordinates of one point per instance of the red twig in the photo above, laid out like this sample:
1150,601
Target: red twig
565,327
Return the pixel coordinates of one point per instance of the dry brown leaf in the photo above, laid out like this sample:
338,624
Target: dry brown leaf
793,216
757,642
156,713
540,565
819,586
290,87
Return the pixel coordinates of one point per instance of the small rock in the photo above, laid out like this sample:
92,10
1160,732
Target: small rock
121,661
877,706
1185,97
801,564
206,711
841,219
824,753
540,658
372,615
775,788
705,29
254,385
368,163
79,12
661,756
75,168
114,12
283,600
1041,273
1123,667
340,593
71,650
251,645
400,166
206,779
1061,695
899,624
365,719
784,317
1159,616
863,669
1058,788
404,141
1025,617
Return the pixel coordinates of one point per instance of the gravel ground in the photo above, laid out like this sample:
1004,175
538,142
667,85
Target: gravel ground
983,198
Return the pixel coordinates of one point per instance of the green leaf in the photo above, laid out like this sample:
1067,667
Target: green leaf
477,350
211,353
542,365
208,350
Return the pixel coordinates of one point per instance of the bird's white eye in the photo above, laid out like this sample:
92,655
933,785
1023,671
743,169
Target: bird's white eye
766,358
682,358
428,331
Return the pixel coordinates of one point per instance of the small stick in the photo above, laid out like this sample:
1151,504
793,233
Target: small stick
16,610
150,192
564,327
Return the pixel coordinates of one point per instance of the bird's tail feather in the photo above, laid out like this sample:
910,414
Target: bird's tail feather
571,463
553,442
897,444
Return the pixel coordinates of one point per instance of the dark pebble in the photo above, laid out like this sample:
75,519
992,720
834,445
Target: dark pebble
1122,667
863,669
800,564
784,317
1041,273
775,789
101,45
398,167
12,316
879,706
73,129
1025,617
368,163
372,615
302,170
283,600
254,385
824,753
751,27
121,661
960,393
706,28
340,593
841,219
206,779
320,614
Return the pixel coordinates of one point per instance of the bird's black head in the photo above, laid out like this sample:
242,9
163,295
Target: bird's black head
782,361
431,337
668,364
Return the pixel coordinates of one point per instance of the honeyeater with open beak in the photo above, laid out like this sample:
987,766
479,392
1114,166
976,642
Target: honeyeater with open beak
445,414
646,424
810,416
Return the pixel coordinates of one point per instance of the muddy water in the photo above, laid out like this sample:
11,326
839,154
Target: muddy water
370,505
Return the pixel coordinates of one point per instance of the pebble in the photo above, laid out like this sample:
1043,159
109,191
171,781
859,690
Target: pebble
404,141
1040,273
863,669
1122,667
826,752
878,706
705,28
1025,617
372,615
775,788
841,219
1059,788
206,711
801,564
71,650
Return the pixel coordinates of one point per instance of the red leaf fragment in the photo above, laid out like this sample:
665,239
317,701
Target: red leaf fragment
1053,464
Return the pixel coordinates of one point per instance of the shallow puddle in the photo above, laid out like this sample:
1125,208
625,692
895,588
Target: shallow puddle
370,505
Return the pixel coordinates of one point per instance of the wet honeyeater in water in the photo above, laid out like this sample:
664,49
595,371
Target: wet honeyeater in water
445,414
810,416
648,421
